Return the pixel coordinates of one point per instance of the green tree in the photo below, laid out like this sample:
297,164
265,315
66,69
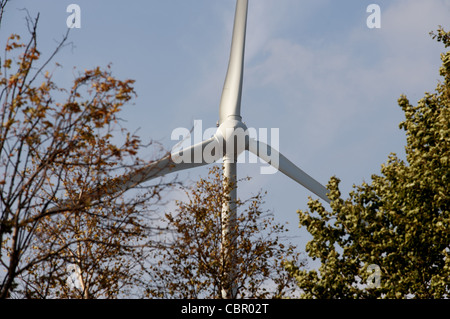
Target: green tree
192,263
399,223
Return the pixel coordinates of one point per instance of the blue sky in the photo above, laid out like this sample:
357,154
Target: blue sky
313,69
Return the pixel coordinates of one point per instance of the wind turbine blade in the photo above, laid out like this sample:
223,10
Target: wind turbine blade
190,157
280,162
230,103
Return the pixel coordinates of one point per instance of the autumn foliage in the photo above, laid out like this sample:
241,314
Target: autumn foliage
57,145
192,262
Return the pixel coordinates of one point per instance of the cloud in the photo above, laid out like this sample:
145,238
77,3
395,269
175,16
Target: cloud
341,76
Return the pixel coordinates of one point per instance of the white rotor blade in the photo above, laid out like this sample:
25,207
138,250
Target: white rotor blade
230,103
271,156
190,157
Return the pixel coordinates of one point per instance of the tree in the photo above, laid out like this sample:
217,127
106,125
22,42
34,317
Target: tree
191,262
390,238
59,149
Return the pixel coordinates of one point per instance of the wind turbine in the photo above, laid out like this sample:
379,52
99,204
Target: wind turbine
229,141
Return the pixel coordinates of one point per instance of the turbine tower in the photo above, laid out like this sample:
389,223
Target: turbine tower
230,140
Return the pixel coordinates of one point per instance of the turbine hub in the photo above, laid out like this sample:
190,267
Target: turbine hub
233,134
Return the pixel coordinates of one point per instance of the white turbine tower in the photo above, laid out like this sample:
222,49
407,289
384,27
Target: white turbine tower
230,140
